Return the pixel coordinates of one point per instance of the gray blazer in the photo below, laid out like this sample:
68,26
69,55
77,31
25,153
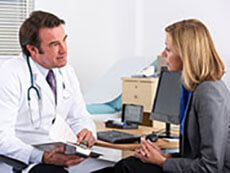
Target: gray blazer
205,145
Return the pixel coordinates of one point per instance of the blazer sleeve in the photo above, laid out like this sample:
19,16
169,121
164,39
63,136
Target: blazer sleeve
210,109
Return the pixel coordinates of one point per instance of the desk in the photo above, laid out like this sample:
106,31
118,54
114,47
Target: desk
130,147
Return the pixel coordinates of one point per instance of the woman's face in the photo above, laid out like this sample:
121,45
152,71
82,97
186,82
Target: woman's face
173,60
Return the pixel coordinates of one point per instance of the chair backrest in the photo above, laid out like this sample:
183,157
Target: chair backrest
17,165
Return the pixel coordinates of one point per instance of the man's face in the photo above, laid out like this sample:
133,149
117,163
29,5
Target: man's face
53,48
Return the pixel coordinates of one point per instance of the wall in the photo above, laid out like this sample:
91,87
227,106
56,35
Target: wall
99,33
102,31
155,16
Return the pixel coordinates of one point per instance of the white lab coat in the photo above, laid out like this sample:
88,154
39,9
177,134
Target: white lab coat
16,130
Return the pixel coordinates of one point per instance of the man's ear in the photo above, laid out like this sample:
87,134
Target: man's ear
32,49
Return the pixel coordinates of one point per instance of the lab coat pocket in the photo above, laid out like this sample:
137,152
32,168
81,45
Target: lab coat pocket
66,94
65,103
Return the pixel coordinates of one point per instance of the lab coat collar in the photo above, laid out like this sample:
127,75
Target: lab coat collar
40,80
43,70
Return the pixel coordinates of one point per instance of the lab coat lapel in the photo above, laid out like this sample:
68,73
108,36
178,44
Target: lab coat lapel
41,83
59,86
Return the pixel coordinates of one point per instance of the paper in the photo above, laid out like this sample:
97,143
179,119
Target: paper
61,132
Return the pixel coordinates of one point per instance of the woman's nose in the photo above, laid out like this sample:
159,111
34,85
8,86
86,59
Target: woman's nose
164,54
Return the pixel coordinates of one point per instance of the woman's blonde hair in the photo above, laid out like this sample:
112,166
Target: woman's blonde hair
193,43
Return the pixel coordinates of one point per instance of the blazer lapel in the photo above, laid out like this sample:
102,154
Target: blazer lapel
185,121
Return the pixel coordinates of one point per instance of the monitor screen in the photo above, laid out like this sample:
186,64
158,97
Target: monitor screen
166,107
132,113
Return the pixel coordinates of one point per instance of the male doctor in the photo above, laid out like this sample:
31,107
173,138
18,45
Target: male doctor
38,89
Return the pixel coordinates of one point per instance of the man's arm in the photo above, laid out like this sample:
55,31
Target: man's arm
10,97
78,117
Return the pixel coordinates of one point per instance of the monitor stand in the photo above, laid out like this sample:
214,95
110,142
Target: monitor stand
167,133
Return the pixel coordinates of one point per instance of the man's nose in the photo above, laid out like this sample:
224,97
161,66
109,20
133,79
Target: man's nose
62,48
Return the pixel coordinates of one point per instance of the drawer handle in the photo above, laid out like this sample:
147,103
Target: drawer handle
135,96
136,86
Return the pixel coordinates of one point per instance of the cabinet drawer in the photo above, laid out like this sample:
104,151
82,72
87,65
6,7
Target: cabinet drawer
139,91
130,92
130,87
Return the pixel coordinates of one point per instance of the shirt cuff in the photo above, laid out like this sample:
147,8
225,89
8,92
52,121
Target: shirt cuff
36,156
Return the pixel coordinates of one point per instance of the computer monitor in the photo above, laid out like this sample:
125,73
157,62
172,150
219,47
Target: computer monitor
132,113
166,107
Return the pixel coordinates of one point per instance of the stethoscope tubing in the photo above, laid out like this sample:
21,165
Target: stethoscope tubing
32,87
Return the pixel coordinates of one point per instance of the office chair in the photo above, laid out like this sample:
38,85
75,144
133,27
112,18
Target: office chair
17,165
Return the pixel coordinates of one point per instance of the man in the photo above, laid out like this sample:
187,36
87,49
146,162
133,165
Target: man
37,89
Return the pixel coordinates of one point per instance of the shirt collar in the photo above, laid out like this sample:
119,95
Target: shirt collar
44,71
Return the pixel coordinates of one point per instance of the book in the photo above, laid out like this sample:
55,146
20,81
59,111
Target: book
70,148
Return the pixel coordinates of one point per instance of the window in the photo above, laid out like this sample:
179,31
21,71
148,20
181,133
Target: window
12,14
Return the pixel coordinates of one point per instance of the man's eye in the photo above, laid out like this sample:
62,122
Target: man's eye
55,44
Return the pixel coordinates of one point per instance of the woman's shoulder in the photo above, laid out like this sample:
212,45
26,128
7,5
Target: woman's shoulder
208,88
219,84
211,95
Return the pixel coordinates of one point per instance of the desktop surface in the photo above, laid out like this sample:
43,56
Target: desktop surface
142,130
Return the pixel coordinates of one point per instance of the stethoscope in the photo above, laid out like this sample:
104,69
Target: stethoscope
33,88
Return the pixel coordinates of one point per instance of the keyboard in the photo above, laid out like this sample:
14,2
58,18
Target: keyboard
116,137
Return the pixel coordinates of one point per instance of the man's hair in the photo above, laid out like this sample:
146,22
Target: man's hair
29,30
192,41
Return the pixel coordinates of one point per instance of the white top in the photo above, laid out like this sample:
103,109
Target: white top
17,131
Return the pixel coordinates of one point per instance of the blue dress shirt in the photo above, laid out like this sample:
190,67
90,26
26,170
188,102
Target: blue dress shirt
184,97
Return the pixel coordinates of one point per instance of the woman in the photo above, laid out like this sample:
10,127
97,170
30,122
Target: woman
205,145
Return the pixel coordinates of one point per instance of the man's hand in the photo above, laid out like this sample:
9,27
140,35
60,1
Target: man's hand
57,157
86,135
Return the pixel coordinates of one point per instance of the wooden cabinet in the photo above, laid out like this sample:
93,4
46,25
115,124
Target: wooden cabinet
139,91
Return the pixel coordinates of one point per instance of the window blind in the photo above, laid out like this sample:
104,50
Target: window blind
12,14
